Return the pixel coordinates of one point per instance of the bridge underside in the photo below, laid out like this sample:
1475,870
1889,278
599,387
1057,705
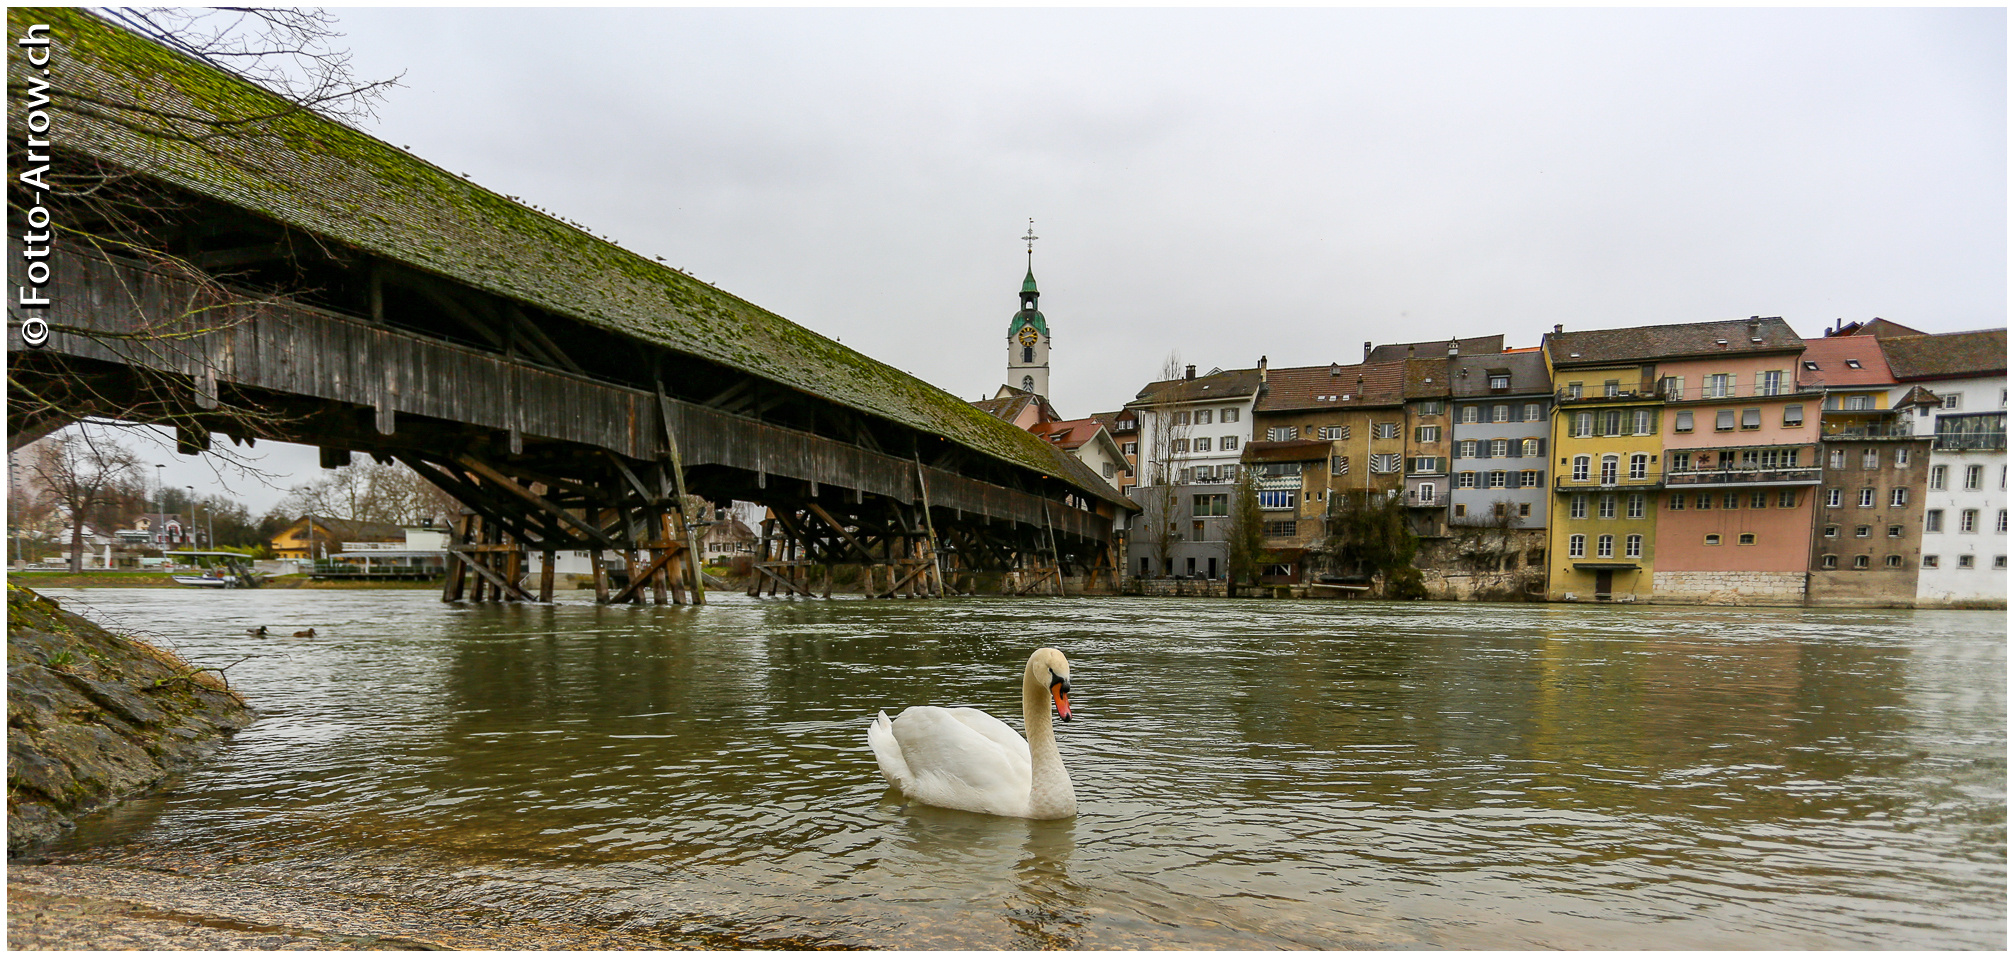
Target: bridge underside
546,457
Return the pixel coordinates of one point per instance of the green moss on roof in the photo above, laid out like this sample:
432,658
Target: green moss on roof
323,177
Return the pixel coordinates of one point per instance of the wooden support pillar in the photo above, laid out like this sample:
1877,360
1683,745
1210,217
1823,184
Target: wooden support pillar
546,562
451,590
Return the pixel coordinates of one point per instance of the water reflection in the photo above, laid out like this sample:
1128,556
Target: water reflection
1250,774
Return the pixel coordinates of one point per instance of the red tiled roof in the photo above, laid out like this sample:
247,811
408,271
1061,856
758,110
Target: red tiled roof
1831,356
1332,387
1068,434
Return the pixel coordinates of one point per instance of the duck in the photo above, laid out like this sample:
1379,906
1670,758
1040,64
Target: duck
308,633
962,758
261,631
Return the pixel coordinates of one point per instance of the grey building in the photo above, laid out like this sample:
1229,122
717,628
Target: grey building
1502,405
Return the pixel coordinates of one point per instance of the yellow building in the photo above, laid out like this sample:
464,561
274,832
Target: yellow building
1606,448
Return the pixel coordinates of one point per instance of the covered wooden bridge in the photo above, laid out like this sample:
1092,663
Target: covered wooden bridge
227,264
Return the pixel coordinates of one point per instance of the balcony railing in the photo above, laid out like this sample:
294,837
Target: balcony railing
1800,475
1277,482
1733,391
1894,431
1624,479
1415,498
1972,441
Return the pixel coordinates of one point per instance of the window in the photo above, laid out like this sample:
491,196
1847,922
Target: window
1867,497
1426,493
1577,506
1794,414
1612,423
1724,420
1427,434
1496,479
1532,412
1938,476
1640,422
1339,465
1275,434
1279,527
1524,509
1500,448
1108,469
1385,462
1899,496
1528,479
1500,381
1713,539
1892,561
1966,561
1426,464
1228,415
1461,510
1574,391
1949,401
1903,456
1758,499
1895,532
1640,466
1428,408
1227,442
1871,459
1131,448
1465,449
1674,387
1860,562
1636,508
1969,519
1028,384
1385,431
1501,413
1678,501
1528,448
1861,532
1605,546
1829,561
1329,433
1210,504
1787,499
1717,386
1704,501
1770,382
1605,506
1973,476
1577,546
1497,510
1612,387
1633,546
1745,539
1584,424
1853,364
1203,417
1581,469
1934,521
2001,562
1752,419
1731,501
1465,479
1814,367
1609,469
1830,532
1468,413
1682,421
2001,522
1836,459
1930,561
1182,417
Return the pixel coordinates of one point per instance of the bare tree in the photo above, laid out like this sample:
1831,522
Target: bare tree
123,214
372,493
1167,456
79,470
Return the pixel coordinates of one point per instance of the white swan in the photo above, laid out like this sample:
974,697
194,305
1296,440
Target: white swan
962,758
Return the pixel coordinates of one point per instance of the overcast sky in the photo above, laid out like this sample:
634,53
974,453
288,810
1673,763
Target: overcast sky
1231,183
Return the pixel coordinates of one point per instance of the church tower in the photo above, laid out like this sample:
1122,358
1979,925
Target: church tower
1028,335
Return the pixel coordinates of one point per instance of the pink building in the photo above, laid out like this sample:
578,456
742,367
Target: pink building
1741,467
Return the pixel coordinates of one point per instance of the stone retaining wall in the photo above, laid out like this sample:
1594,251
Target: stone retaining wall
1729,588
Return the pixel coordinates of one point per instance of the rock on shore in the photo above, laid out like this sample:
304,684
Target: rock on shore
94,717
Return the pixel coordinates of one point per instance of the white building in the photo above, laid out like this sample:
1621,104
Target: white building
1192,432
1965,553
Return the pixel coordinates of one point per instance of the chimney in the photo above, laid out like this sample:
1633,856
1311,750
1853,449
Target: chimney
1367,349
1756,329
1556,329
1454,348
1189,372
1409,351
1262,369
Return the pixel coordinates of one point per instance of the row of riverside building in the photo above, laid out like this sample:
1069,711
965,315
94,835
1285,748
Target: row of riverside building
1729,462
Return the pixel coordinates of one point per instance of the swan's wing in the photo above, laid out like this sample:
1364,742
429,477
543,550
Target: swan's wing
888,753
953,763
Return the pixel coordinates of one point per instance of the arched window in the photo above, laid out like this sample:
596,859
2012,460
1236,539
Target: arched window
1609,469
1028,354
1028,384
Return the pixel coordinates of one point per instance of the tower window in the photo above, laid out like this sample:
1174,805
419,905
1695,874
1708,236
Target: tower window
1028,354
1028,384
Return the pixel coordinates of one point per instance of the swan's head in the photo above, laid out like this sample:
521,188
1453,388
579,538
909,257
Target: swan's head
1047,669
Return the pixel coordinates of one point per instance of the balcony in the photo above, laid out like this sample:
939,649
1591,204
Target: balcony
1417,499
1894,431
1277,482
1971,441
1794,476
1566,483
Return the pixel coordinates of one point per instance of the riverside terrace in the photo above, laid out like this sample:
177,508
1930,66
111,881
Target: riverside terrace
246,268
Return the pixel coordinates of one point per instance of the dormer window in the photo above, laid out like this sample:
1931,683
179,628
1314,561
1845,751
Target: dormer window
1853,364
1814,367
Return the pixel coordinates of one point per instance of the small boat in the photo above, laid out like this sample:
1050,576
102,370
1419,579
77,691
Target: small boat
220,570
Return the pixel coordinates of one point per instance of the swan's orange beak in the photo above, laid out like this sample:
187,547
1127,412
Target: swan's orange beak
1061,693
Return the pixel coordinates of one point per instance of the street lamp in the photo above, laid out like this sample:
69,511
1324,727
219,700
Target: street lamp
161,518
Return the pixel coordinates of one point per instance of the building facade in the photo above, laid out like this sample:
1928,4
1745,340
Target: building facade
1192,432
1964,559
1864,554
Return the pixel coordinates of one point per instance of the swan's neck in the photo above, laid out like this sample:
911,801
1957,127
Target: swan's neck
1050,795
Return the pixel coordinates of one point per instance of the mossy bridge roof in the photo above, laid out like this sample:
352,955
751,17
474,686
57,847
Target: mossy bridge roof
329,179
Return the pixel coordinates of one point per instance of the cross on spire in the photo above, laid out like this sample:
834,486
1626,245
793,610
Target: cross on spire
1031,238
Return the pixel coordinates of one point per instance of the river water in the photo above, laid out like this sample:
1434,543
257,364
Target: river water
1250,774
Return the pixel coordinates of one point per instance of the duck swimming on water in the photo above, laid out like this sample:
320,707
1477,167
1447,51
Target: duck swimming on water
261,631
308,633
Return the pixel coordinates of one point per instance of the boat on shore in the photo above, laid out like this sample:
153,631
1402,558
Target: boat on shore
220,570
